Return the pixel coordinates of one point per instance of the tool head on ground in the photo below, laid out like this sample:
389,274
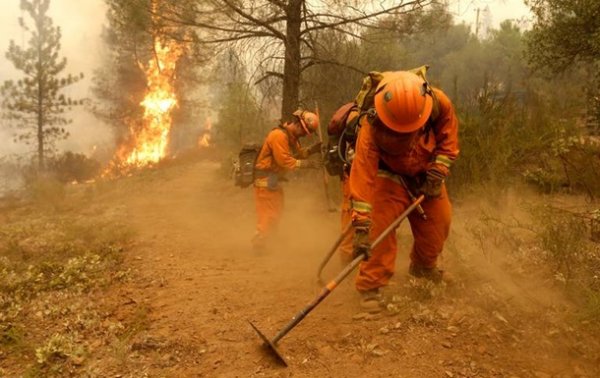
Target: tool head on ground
269,347
308,120
403,102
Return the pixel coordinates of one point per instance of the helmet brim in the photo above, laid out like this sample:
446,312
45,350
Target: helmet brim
304,127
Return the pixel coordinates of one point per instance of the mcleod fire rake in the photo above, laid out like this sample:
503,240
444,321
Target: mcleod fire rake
270,345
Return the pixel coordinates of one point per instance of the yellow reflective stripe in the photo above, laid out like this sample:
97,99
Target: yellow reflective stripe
261,182
361,207
444,160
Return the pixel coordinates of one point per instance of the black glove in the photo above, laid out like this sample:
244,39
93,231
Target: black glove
360,242
315,148
432,187
309,163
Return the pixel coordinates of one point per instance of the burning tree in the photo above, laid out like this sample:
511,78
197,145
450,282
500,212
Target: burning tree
35,102
149,137
140,87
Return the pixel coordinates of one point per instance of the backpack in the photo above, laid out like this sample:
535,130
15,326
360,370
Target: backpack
244,169
343,131
338,120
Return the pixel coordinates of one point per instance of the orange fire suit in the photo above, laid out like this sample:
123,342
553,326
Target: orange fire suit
280,153
345,248
378,196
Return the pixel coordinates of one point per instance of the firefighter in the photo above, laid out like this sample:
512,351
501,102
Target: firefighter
400,142
281,152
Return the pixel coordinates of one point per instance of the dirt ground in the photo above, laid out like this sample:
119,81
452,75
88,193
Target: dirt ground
198,283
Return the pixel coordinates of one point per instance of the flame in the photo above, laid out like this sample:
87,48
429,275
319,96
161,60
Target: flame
204,138
149,138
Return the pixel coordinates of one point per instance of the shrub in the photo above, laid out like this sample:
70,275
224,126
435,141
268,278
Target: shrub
71,166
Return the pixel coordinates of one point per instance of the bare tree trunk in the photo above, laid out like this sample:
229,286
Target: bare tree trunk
291,66
40,119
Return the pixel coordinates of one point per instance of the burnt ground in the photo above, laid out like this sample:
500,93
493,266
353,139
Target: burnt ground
203,283
195,283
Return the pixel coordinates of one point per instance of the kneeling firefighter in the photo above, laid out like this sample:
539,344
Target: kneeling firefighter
281,152
402,151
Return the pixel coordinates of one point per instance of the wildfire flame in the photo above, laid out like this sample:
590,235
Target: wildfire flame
148,140
204,138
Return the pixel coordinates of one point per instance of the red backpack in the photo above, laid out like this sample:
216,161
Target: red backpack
337,124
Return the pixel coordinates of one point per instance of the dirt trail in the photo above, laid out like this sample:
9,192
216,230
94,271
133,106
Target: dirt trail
199,283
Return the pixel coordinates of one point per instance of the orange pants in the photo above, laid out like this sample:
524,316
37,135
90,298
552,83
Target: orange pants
391,199
269,205
345,248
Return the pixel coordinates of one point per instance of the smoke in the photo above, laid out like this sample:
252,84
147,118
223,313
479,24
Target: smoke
81,26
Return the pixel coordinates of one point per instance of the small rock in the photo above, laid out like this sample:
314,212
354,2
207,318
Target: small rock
453,329
500,317
378,352
360,316
446,344
384,330
449,374
372,316
481,349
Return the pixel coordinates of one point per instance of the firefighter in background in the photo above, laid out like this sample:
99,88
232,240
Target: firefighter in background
281,152
399,141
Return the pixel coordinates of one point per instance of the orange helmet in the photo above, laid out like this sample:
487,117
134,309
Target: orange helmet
308,120
403,102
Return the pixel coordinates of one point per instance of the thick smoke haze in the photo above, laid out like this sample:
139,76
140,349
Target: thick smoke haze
81,26
81,22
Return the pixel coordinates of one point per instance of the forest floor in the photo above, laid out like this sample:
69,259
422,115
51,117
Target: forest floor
169,288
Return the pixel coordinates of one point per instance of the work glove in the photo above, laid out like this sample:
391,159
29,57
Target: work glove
360,241
309,163
432,186
314,149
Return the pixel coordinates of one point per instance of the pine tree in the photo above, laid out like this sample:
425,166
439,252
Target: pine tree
35,102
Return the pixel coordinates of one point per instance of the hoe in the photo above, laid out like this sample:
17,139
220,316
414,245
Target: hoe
270,345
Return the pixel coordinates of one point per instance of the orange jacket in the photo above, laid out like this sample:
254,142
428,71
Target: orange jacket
439,150
280,152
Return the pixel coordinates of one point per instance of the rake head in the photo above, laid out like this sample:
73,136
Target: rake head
269,347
